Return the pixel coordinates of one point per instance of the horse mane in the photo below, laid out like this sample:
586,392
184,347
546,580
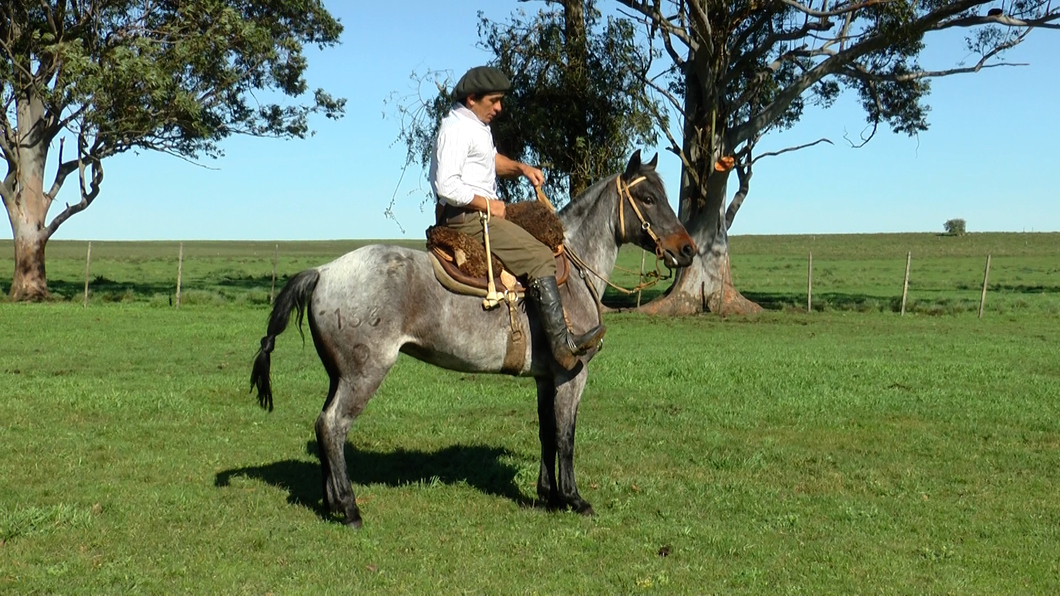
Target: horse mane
578,207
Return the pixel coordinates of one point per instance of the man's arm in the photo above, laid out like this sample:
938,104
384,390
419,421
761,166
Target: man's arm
509,168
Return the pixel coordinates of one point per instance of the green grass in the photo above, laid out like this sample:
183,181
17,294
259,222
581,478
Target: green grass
838,452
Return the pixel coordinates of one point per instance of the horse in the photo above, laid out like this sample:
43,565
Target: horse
369,305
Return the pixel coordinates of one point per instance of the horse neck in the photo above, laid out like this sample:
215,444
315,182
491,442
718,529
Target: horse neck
589,222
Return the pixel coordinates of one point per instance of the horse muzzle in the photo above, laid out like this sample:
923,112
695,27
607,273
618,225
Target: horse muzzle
676,250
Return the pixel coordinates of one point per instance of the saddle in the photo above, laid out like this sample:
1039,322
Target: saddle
460,261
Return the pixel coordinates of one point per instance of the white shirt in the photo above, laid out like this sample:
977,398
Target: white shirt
464,161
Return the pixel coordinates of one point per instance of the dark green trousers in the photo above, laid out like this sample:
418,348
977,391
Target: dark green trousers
521,253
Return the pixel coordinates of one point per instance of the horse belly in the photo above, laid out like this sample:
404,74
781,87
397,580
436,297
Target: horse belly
456,333
386,299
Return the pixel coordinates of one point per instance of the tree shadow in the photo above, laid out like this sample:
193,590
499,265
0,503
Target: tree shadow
477,466
833,300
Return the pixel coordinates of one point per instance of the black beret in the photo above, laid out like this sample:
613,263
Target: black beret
481,79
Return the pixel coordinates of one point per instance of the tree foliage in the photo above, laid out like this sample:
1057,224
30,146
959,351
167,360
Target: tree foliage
114,75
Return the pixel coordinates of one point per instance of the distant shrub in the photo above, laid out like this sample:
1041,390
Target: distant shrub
954,227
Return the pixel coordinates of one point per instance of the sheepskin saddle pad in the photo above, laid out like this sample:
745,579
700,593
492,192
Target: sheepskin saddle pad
460,261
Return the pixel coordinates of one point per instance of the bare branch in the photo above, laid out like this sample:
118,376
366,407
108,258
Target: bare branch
864,139
703,26
675,146
655,16
789,149
1045,22
89,190
837,63
676,103
7,143
744,173
7,188
842,10
60,174
14,61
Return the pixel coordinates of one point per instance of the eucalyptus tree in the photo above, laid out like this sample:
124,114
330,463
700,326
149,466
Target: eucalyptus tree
740,69
115,75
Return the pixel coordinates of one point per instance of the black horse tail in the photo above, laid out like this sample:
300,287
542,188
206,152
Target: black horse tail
294,295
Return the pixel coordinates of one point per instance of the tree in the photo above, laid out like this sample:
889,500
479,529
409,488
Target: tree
115,75
577,105
743,68
954,227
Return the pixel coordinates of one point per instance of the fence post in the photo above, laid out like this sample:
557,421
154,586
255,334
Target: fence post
809,285
986,276
180,271
275,257
905,285
88,265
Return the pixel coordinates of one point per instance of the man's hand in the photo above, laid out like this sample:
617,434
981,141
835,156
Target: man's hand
509,168
497,209
534,175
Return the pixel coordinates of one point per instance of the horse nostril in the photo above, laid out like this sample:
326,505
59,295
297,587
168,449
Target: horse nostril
688,251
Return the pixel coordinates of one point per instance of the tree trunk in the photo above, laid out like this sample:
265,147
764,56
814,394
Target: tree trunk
706,285
30,282
27,209
27,213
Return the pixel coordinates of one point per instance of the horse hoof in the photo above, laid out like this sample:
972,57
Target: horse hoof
354,520
584,509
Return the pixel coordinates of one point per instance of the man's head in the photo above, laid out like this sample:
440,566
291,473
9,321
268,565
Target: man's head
481,90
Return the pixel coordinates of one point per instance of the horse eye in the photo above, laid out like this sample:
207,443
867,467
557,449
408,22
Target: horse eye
647,200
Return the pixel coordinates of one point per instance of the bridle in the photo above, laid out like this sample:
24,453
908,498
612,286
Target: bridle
624,192
653,277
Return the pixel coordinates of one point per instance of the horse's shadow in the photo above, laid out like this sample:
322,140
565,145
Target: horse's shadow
476,465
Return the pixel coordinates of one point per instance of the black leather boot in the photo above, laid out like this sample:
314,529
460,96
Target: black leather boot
566,346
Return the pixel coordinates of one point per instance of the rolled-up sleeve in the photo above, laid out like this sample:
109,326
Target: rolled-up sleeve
447,163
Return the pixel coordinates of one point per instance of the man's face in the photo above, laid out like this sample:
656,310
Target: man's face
486,107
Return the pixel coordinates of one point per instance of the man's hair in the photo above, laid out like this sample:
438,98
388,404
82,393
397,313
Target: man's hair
474,96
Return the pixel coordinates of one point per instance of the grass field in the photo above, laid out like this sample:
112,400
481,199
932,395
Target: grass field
845,451
861,273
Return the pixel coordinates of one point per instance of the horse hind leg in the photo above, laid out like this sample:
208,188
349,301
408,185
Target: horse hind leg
347,401
355,376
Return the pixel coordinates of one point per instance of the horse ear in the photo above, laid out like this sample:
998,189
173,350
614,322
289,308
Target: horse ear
633,167
654,162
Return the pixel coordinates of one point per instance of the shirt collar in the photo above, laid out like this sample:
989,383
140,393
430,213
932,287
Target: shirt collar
464,112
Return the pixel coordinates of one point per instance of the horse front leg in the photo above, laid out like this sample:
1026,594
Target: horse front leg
568,396
547,488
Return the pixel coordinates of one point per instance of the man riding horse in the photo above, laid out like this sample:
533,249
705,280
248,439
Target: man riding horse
464,169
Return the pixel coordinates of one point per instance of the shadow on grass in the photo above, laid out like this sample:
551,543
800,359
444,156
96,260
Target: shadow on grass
103,288
102,285
475,465
834,301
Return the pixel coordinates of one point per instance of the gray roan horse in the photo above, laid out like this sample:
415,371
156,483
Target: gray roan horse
375,302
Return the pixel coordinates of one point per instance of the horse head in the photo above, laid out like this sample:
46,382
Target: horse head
645,217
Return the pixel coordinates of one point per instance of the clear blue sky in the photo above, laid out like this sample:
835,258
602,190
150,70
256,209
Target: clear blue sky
990,156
